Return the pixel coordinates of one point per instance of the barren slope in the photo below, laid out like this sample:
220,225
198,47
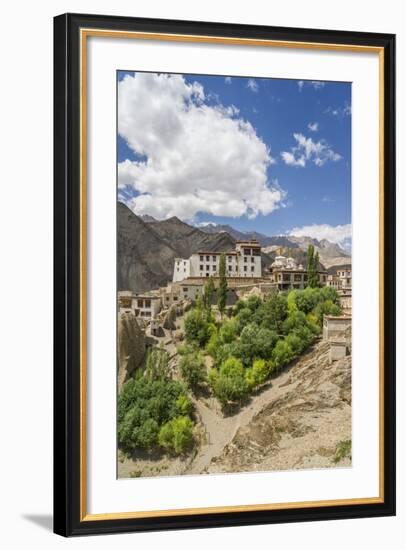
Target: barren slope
306,419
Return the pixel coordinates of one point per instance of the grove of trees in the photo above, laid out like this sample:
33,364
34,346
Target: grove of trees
260,338
154,410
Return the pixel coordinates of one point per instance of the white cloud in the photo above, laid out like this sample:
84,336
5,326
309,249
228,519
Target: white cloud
339,112
315,84
313,126
206,224
194,156
252,85
339,234
228,80
307,150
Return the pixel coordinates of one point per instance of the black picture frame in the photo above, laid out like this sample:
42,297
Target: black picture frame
67,351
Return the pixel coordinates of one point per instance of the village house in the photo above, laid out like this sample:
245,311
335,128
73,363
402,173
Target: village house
244,261
172,293
287,275
341,280
146,306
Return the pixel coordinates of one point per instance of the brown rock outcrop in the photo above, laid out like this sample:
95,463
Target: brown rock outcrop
130,346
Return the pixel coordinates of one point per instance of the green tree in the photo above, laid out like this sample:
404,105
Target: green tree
157,364
197,327
222,290
312,267
176,435
282,354
229,383
255,343
228,331
272,312
193,369
257,374
243,318
144,405
208,293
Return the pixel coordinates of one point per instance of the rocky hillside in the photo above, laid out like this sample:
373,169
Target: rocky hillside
131,347
306,423
146,251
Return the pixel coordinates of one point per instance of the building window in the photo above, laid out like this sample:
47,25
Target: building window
201,268
230,268
140,303
207,274
201,258
213,267
207,258
175,298
230,258
207,267
256,252
252,260
247,251
245,268
214,258
245,259
252,267
185,289
147,303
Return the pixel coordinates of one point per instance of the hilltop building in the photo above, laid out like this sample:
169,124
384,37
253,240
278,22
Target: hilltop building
287,275
244,261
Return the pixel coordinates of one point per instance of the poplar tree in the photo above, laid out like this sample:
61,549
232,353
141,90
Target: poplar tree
222,290
208,293
312,267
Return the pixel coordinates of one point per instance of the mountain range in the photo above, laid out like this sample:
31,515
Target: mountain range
146,247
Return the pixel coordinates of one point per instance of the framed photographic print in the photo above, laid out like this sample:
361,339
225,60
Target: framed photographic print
224,274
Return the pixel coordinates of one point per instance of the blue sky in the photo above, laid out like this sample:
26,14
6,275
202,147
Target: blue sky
297,135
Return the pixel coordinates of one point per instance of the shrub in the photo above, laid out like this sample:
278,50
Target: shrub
193,369
176,435
184,406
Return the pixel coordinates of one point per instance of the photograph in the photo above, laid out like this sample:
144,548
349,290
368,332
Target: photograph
234,274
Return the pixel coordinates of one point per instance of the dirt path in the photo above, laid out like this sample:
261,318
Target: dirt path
220,429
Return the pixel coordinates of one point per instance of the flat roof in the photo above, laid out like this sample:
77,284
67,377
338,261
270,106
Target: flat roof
231,253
